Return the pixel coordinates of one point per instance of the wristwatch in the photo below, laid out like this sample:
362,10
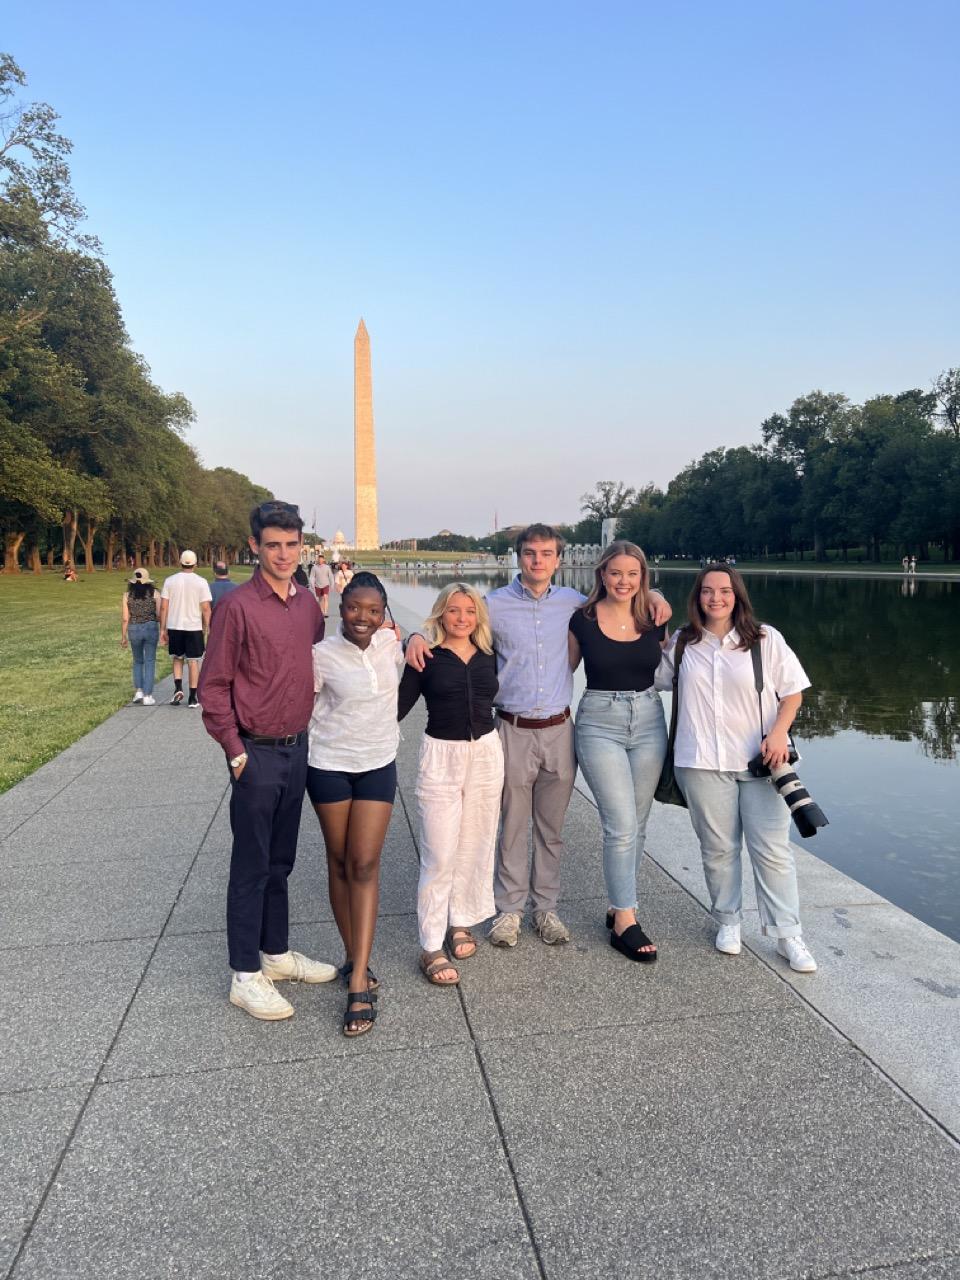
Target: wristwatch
237,761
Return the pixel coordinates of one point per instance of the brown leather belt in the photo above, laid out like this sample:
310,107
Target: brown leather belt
525,722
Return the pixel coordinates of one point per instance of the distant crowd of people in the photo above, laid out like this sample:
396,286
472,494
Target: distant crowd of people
297,710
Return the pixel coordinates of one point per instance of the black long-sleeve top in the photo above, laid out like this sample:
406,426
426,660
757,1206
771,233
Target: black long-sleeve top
459,695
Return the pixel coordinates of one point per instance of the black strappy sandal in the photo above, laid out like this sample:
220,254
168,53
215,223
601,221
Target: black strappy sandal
346,969
629,943
366,1017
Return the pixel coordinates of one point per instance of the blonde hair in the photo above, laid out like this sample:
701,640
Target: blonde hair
641,601
481,635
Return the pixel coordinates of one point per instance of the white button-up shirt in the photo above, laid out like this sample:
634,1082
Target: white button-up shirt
719,721
354,723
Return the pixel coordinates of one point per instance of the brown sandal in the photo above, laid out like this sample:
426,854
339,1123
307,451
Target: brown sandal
458,935
434,962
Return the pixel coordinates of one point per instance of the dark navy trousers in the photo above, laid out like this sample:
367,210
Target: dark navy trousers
265,805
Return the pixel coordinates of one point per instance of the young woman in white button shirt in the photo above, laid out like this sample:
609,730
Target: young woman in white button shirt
352,774
721,726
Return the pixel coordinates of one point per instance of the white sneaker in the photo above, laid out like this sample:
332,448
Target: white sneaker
795,950
294,967
728,939
260,998
138,696
149,700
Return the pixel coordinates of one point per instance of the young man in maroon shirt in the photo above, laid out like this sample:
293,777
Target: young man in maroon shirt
256,691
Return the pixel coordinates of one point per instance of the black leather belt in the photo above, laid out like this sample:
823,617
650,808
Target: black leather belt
525,722
291,740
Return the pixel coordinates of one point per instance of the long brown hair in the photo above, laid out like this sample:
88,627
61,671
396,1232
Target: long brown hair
641,601
748,629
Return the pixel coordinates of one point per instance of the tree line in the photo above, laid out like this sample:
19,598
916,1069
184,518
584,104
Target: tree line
92,451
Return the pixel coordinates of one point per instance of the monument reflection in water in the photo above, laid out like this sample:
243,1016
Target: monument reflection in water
879,731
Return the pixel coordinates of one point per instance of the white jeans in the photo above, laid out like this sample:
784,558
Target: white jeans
728,810
458,798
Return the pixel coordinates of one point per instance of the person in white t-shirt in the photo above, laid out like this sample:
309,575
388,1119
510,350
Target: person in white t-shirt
185,604
722,723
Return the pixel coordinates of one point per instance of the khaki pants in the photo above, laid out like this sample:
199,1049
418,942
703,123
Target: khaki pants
540,768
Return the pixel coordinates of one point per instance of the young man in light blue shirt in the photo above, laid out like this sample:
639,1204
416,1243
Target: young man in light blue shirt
530,618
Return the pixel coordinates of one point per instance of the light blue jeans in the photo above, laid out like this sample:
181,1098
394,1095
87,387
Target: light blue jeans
727,809
621,740
143,638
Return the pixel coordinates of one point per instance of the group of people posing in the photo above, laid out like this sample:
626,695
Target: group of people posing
295,711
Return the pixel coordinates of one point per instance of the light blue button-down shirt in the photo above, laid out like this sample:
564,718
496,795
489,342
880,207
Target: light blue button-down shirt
530,639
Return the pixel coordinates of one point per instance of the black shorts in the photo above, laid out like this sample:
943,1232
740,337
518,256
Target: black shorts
329,786
185,644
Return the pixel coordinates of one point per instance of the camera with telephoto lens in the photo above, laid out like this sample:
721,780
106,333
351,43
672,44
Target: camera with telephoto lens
806,813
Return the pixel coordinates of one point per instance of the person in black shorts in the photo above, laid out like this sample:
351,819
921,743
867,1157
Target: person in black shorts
620,732
352,774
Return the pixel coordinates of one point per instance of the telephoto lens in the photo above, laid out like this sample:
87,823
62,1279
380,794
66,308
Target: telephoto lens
806,813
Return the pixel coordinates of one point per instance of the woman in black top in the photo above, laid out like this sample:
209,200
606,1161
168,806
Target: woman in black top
621,734
459,781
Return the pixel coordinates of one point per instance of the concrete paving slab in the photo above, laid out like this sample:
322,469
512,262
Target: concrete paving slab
151,790
33,1131
60,1008
868,956
533,988
946,1267
87,839
753,1145
292,1172
181,1020
55,903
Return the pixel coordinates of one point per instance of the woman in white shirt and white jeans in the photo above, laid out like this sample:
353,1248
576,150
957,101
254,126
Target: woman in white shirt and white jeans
720,727
352,774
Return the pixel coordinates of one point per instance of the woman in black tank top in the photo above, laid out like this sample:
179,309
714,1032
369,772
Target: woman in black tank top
621,735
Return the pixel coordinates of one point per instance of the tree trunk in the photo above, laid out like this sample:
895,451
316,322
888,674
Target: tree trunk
87,538
50,555
33,557
11,551
138,556
819,551
111,550
69,536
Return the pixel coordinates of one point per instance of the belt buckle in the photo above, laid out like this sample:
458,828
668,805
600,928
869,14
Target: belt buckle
291,739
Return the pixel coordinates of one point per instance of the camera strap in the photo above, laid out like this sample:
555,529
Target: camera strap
758,684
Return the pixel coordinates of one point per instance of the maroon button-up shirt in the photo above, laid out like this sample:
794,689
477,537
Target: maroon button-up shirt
258,669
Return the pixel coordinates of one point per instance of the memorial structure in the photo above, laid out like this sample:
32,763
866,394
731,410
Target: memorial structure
367,535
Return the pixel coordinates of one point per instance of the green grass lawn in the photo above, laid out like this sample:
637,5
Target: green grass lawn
63,668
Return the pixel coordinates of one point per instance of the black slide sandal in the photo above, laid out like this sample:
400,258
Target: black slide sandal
629,943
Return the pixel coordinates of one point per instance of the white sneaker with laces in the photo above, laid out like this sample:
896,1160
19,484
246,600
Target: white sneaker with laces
138,696
260,998
294,967
728,939
149,700
795,950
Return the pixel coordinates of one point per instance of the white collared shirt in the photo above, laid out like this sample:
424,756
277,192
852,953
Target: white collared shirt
354,723
719,722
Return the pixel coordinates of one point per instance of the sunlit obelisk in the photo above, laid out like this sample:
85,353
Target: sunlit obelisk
364,451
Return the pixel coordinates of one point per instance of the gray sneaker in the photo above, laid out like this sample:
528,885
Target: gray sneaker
550,927
505,930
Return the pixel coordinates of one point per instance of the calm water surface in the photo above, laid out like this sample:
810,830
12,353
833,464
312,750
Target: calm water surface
879,731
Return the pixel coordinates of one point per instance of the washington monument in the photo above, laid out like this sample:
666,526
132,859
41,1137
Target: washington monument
367,536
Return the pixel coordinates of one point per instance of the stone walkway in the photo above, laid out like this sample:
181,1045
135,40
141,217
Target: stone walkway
563,1114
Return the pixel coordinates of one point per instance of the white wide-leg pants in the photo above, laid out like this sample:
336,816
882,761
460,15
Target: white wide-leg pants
458,798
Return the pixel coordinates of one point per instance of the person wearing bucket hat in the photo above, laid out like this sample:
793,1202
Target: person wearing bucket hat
185,605
140,630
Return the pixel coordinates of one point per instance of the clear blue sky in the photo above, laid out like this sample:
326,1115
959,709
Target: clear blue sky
589,241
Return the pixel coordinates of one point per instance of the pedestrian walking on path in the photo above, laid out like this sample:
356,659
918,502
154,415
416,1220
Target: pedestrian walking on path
352,776
257,693
722,724
321,580
459,780
140,628
621,736
222,584
184,620
530,619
